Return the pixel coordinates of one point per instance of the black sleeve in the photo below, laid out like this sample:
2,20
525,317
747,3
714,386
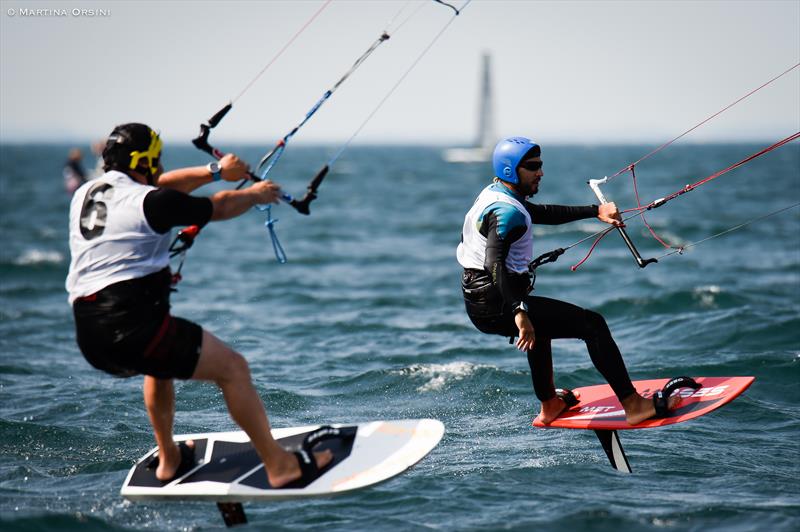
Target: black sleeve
165,208
496,254
559,214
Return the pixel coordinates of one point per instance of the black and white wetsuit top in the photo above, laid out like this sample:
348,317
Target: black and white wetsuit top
511,216
497,241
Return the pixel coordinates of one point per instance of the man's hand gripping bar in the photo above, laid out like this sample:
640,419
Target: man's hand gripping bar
201,143
594,184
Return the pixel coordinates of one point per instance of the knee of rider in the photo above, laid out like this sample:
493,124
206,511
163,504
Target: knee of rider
595,323
238,367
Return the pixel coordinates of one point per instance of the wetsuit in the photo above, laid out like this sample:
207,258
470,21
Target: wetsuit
495,251
119,278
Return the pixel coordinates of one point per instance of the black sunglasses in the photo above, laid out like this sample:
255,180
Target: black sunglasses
531,166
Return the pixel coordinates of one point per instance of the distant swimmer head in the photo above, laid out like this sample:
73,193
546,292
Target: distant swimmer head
129,146
509,153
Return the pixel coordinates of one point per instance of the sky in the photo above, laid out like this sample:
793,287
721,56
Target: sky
564,71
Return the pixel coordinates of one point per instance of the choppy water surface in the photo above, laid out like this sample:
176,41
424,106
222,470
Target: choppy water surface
366,322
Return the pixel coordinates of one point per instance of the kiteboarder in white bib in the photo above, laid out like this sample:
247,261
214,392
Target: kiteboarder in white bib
119,286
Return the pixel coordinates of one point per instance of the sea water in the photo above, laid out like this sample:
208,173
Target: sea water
366,321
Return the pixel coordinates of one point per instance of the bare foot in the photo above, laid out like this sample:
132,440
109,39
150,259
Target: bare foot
638,408
552,408
169,462
288,470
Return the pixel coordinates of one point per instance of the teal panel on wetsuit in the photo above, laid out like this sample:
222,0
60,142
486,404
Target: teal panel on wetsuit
508,216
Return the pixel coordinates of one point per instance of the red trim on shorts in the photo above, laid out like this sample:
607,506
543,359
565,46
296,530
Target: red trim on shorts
162,331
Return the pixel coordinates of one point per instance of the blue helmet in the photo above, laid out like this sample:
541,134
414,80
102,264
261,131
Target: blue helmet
507,155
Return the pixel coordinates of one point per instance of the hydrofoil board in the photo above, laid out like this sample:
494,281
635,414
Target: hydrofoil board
598,409
226,469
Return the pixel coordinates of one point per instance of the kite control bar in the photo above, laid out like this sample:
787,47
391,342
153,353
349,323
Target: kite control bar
594,184
201,143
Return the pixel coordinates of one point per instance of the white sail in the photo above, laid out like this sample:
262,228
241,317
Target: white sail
481,149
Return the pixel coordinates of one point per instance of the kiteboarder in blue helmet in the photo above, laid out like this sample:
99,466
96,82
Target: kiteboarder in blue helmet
495,251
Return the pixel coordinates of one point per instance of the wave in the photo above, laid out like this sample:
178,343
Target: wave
436,376
39,256
699,297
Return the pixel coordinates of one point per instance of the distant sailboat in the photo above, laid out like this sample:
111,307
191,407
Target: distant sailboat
481,149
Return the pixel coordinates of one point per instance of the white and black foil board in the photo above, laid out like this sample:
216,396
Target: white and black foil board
227,468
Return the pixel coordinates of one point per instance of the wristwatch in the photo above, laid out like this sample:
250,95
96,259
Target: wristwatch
215,169
520,307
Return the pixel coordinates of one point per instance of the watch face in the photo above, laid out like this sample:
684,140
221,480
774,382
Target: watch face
214,167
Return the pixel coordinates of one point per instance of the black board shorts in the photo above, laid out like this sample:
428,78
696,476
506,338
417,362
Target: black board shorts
126,329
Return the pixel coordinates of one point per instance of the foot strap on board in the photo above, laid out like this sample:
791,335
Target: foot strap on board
188,462
661,397
308,465
567,396
305,455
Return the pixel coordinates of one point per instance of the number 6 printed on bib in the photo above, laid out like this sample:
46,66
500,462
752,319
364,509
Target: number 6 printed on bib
94,211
